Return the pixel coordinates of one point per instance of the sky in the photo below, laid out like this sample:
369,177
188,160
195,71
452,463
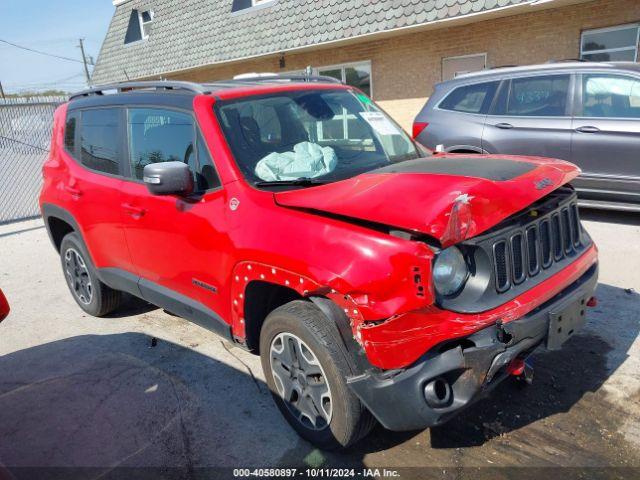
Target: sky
52,26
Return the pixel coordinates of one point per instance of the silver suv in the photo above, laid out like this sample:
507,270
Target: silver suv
586,113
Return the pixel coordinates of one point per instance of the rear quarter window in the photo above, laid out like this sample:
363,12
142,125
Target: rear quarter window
70,133
470,98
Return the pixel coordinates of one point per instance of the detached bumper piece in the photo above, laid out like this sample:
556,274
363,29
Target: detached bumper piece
454,375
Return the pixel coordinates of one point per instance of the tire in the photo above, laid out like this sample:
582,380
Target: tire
340,418
93,296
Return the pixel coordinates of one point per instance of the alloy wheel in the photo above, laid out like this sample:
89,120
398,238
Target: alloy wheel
78,276
301,381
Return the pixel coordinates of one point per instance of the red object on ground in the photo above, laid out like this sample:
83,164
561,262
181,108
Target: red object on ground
593,302
4,306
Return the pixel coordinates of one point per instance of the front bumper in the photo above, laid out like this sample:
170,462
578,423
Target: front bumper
471,367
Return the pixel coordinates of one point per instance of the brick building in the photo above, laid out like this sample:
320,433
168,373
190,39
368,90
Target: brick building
395,50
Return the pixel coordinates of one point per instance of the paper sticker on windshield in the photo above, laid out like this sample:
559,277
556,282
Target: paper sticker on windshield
380,123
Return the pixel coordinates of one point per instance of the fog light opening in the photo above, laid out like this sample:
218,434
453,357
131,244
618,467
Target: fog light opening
438,393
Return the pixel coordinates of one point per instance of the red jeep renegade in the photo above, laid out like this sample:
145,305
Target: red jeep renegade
296,219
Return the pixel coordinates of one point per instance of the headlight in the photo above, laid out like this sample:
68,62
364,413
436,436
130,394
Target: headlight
450,271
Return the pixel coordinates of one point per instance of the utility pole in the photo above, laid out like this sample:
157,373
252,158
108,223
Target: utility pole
2,91
84,62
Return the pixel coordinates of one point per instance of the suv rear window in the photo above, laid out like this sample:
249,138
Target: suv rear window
100,140
541,96
471,98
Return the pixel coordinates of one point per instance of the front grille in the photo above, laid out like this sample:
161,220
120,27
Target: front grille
575,225
556,236
527,250
517,258
533,245
502,267
546,244
521,252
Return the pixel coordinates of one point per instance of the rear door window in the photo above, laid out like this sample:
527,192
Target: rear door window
100,140
610,96
542,96
471,98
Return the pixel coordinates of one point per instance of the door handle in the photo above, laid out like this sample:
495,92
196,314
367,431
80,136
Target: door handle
588,129
504,126
73,191
135,212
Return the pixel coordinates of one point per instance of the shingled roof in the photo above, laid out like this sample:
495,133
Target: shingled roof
192,33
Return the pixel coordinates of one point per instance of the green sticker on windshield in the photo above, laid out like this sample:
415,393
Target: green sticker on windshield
363,98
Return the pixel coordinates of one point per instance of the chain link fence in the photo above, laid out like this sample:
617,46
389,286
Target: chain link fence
25,135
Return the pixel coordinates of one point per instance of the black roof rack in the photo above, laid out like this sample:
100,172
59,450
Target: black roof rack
143,85
199,88
273,78
568,60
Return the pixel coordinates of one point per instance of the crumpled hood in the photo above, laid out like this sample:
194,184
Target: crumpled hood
448,197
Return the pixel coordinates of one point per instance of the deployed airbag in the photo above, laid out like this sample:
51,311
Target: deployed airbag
306,160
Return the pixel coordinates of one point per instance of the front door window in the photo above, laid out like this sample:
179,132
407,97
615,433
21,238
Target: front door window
610,96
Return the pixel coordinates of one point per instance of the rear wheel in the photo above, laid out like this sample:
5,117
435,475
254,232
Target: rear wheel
306,366
93,296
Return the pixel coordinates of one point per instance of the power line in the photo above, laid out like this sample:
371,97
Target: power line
41,52
62,81
55,82
24,143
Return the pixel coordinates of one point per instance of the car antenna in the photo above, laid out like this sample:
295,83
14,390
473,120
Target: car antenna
125,74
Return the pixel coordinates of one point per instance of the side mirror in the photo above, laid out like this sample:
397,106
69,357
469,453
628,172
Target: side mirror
168,178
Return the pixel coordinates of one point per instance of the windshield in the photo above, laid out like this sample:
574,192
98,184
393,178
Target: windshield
318,136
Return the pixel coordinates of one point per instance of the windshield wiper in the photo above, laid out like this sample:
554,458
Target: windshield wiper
304,181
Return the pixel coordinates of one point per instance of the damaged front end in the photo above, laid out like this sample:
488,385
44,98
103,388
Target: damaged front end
455,373
512,269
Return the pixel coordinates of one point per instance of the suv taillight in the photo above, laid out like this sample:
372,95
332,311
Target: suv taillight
418,127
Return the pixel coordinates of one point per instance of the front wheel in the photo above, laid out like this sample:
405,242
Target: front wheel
306,366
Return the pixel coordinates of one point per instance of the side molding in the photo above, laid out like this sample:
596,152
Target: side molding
166,298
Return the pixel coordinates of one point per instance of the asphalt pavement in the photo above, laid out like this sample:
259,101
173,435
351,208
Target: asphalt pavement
78,391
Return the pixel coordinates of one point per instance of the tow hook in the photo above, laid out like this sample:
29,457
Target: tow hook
521,370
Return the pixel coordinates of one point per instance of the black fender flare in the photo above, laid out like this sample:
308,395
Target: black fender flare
336,315
53,211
